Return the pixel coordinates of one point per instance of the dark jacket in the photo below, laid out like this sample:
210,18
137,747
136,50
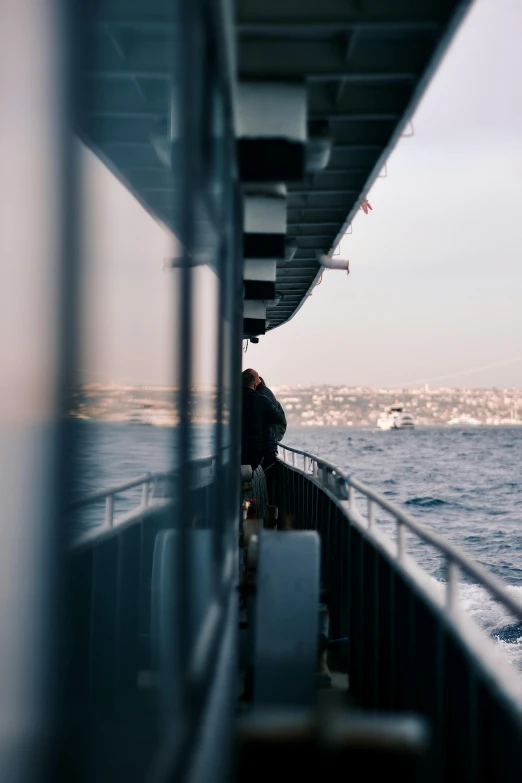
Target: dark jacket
258,415
276,432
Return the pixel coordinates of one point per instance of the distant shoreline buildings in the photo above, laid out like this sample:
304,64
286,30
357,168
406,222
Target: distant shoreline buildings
339,406
360,406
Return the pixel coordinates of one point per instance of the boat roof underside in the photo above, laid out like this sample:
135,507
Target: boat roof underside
365,64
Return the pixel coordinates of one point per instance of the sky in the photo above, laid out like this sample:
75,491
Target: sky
436,268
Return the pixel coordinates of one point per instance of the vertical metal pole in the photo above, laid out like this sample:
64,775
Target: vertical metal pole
109,510
371,514
219,482
401,541
145,494
351,499
235,347
452,575
187,69
220,111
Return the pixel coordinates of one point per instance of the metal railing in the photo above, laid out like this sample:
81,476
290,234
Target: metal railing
345,488
203,472
119,583
109,494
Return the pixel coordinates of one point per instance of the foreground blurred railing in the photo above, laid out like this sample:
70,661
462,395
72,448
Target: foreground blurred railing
156,488
109,495
122,573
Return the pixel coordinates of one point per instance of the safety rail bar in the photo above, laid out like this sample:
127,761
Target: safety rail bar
110,493
344,488
147,481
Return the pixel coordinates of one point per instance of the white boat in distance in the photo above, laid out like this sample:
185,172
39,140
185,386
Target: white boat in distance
394,418
141,415
463,421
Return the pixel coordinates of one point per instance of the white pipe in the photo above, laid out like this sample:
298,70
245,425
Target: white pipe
333,263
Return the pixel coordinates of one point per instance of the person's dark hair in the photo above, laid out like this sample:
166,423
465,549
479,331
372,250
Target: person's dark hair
249,379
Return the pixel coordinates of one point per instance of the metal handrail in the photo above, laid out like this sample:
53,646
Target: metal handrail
145,481
455,558
110,493
117,489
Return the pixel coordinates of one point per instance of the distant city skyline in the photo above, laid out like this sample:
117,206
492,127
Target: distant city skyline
306,406
436,272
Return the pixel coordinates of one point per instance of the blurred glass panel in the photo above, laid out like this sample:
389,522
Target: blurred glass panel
124,410
32,157
95,313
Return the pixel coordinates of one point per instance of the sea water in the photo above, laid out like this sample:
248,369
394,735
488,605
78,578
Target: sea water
465,484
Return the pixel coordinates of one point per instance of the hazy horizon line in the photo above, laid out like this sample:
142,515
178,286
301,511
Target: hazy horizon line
374,387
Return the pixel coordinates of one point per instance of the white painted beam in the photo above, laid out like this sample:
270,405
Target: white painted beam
271,128
259,277
253,309
264,230
260,269
264,215
271,110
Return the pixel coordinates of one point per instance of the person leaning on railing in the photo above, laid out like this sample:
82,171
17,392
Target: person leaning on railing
258,416
273,437
275,432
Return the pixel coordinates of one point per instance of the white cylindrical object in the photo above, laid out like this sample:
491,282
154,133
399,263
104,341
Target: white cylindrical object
333,263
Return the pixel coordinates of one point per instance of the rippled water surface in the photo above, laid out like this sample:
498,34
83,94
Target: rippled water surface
464,483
